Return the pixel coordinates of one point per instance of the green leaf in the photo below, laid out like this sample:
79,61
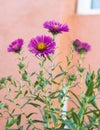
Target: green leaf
36,83
76,97
1,87
81,70
54,119
62,129
70,124
89,83
98,72
11,123
61,69
18,94
25,103
30,114
55,82
88,79
53,95
34,104
19,119
39,99
3,80
6,124
25,92
21,65
28,127
72,77
75,103
92,101
32,74
49,58
92,75
9,78
3,105
89,91
68,60
21,128
93,111
1,114
37,121
80,112
58,75
98,78
75,118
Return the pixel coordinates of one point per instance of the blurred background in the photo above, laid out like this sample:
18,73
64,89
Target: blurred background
25,18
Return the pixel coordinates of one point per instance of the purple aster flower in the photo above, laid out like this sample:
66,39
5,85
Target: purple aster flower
16,45
81,47
42,46
55,27
85,47
77,43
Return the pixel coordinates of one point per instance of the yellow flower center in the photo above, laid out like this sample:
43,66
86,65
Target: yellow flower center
56,26
41,46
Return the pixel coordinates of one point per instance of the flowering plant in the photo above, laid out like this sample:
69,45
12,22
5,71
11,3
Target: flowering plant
38,92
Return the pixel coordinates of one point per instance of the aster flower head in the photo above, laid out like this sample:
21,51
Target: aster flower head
55,27
42,46
77,43
15,46
81,47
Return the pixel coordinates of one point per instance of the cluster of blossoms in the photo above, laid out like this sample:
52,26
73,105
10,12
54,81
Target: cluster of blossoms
81,47
45,45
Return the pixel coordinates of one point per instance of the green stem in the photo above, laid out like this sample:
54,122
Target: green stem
84,108
22,111
20,70
45,95
81,73
54,36
52,70
68,66
52,64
